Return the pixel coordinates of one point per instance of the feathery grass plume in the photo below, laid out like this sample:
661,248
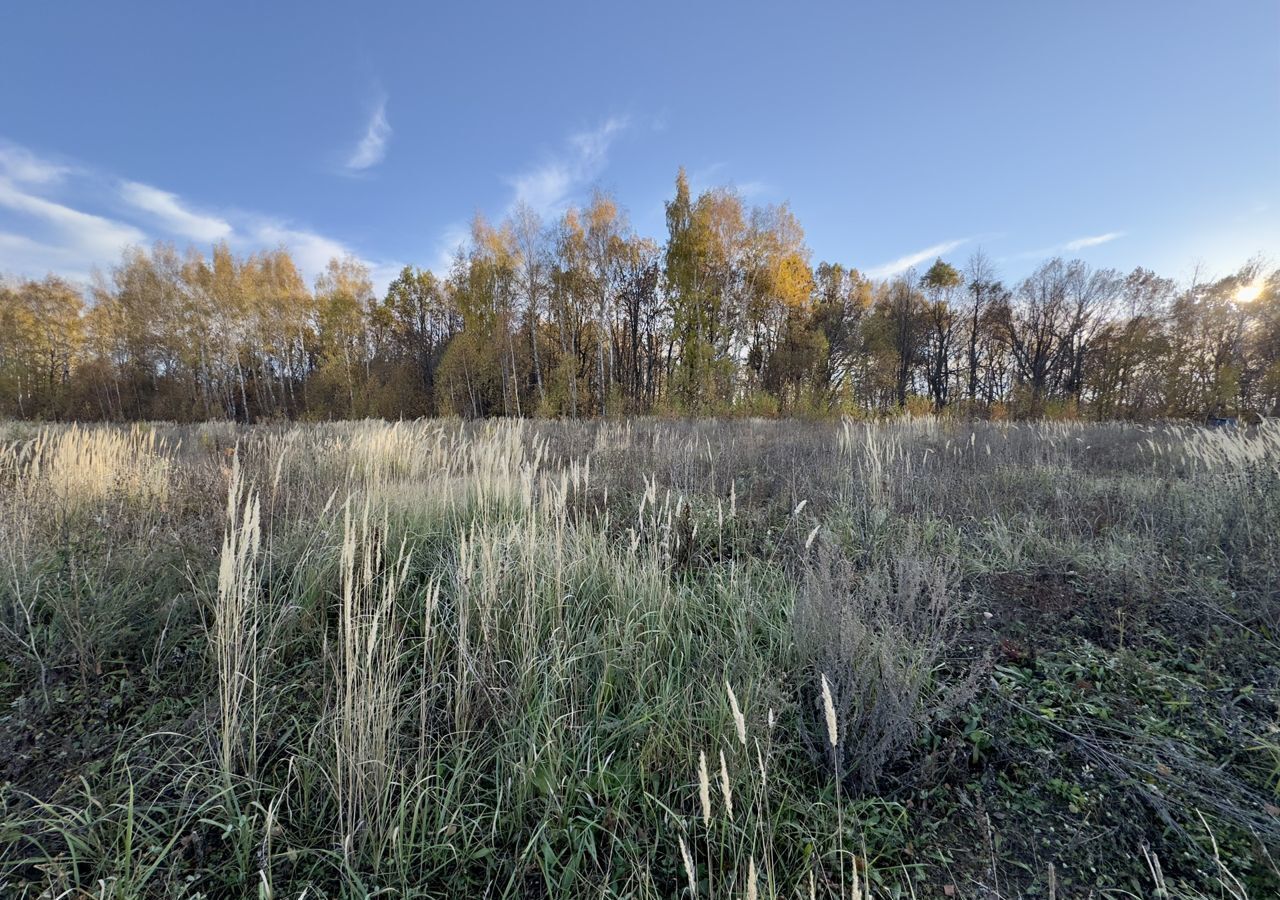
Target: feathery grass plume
234,634
74,469
829,711
808,542
704,787
725,788
367,683
753,892
428,665
739,723
688,867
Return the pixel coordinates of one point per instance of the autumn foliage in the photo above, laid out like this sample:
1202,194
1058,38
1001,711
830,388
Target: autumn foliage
583,317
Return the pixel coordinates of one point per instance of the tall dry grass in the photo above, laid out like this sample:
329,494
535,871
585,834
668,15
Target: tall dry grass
237,629
561,659
368,677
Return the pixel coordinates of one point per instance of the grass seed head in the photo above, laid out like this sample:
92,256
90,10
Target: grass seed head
704,787
829,710
739,722
725,788
688,868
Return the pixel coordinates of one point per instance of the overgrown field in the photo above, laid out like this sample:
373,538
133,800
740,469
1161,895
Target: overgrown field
645,659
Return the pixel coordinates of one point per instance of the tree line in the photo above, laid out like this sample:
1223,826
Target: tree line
583,317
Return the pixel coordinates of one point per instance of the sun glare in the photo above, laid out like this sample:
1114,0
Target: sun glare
1247,293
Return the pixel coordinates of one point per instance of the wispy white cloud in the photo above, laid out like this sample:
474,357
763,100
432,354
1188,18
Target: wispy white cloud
19,253
41,231
22,166
592,146
1092,240
710,176
902,263
87,232
453,237
702,179
1073,246
311,250
373,146
548,187
749,189
178,218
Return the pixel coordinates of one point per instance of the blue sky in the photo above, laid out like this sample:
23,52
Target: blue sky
1128,133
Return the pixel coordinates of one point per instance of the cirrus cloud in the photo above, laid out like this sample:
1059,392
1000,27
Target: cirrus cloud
92,234
46,224
1092,240
372,148
902,263
547,188
169,209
